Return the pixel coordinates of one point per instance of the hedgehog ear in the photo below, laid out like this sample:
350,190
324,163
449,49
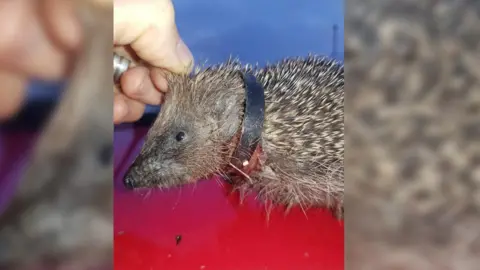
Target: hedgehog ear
229,110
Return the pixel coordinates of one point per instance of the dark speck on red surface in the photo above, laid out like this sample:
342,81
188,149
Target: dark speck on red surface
217,231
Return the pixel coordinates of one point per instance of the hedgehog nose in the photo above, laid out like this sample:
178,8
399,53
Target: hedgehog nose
128,181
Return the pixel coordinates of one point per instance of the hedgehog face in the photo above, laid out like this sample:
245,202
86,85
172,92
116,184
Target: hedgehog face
190,138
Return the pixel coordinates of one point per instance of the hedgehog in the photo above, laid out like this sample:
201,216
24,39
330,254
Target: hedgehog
300,161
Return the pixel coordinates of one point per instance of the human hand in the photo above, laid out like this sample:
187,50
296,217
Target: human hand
38,38
148,28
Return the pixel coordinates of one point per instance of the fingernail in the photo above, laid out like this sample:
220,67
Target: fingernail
184,54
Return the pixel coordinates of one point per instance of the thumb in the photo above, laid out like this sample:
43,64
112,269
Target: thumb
12,94
25,46
149,28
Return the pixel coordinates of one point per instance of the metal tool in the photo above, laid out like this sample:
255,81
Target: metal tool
120,65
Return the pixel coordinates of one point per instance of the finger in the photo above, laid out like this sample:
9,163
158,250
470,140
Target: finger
120,108
126,110
137,84
25,46
12,94
61,22
150,30
159,80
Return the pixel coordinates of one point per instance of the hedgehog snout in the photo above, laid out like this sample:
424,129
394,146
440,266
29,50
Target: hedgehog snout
134,176
129,179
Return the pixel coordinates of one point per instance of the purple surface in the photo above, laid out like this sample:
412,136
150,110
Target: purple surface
15,149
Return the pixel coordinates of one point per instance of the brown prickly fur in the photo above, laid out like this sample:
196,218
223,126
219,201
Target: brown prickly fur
61,215
286,184
413,129
302,138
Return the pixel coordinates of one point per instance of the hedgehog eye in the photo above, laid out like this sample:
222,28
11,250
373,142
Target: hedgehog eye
180,136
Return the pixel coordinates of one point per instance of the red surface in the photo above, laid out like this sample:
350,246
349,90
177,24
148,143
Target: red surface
217,232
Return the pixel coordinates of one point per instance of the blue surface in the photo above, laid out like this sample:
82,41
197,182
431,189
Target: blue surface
259,30
253,30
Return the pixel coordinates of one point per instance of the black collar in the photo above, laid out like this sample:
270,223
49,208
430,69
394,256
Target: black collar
252,124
